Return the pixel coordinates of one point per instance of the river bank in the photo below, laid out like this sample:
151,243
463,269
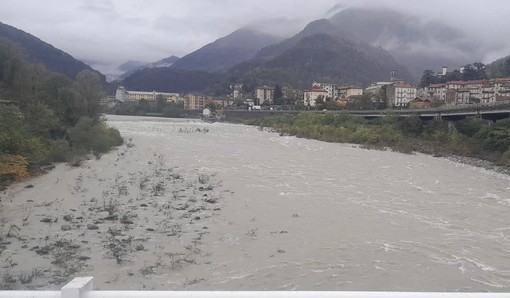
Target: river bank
127,219
475,142
468,160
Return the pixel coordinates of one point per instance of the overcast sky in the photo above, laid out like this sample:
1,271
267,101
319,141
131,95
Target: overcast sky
111,32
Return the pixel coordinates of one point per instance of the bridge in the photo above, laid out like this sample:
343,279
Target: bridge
491,112
488,112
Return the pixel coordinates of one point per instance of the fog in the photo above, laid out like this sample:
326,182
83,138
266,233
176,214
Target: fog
107,33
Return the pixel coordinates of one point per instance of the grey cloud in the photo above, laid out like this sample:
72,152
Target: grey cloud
101,6
115,31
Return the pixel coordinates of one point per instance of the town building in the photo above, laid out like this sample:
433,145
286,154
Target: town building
468,92
264,94
223,102
500,90
237,91
400,94
314,95
348,91
127,95
196,102
376,88
423,102
331,89
436,91
457,96
380,88
444,72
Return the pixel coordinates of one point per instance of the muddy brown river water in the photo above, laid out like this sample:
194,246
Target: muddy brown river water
297,214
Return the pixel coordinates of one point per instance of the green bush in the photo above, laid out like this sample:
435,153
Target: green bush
506,157
58,151
473,137
93,136
171,112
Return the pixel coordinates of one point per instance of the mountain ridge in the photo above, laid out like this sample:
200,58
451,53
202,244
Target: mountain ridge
226,51
320,57
39,51
131,67
414,42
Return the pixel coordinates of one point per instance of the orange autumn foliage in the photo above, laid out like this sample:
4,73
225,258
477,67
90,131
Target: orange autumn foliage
13,167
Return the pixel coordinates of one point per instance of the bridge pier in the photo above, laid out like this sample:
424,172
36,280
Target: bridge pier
451,125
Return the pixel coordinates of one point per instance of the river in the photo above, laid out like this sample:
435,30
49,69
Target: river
309,215
214,206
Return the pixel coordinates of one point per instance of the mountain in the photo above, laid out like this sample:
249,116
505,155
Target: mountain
226,52
166,79
317,53
38,51
415,43
321,26
165,62
311,56
131,67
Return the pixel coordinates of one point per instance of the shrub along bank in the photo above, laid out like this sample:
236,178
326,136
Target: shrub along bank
470,138
45,117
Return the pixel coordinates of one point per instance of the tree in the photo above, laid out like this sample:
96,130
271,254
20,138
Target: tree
278,95
480,70
364,102
427,78
171,111
506,68
13,132
469,73
475,71
53,87
160,103
90,91
453,76
320,99
69,108
144,105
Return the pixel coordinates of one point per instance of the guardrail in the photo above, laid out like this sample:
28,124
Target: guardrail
82,287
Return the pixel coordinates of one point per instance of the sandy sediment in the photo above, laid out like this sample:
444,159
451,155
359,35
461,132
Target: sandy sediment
126,219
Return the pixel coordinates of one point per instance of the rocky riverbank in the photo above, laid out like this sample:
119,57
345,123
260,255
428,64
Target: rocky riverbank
125,219
472,161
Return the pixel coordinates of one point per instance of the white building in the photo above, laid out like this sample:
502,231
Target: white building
348,91
331,89
436,91
375,88
263,94
314,94
237,90
125,95
400,94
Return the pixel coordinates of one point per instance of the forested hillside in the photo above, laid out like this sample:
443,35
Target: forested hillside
499,68
38,51
166,79
318,57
